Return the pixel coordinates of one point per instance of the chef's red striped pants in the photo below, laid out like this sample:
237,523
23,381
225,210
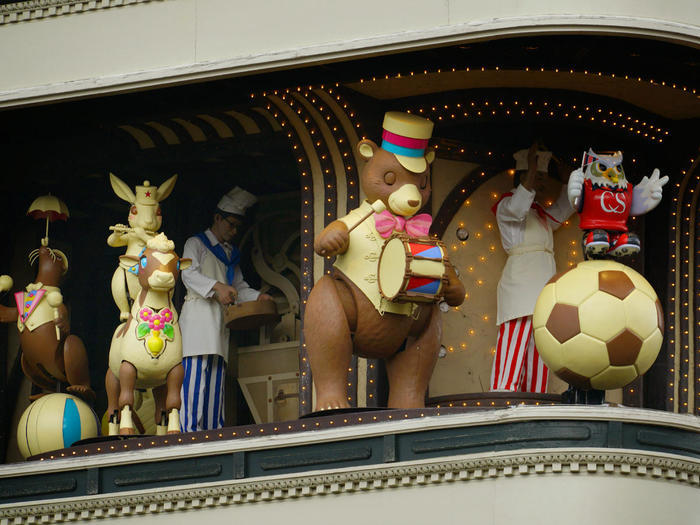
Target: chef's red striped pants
517,365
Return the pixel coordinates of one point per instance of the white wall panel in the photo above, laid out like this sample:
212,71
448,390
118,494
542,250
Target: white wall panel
49,53
272,26
682,11
100,43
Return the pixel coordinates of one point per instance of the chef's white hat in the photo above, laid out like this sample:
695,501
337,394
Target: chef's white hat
236,201
543,158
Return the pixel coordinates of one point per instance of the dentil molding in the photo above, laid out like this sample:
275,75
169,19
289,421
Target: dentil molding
38,9
619,463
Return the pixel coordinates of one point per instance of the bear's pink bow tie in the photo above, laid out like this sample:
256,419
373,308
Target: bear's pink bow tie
386,223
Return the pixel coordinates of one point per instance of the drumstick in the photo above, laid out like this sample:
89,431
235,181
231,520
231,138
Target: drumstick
377,207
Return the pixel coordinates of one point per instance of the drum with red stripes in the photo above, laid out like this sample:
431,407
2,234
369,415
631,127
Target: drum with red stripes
412,270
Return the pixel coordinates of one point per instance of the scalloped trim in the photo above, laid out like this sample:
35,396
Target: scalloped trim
507,465
38,9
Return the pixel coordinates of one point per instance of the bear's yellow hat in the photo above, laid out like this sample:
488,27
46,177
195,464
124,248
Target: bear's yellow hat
406,136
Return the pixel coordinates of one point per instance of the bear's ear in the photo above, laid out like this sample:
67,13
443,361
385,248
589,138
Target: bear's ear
366,148
430,156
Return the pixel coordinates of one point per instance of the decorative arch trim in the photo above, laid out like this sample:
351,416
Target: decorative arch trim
683,299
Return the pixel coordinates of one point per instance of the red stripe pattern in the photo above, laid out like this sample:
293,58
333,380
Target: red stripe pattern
404,142
517,366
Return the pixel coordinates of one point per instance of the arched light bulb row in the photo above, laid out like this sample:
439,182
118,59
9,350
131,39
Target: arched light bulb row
351,168
545,109
322,152
329,186
334,129
329,204
242,432
568,71
488,157
561,71
693,297
331,113
307,229
684,281
341,140
687,206
328,119
349,174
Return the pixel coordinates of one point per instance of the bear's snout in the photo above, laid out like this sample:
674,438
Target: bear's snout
405,201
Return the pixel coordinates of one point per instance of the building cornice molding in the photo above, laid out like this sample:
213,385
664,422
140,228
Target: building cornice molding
471,31
38,9
504,465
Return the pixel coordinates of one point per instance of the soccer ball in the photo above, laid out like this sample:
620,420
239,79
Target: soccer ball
599,325
55,421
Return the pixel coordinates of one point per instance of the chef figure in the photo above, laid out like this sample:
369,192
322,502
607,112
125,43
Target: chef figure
213,281
526,228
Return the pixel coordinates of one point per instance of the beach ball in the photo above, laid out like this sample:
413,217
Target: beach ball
53,422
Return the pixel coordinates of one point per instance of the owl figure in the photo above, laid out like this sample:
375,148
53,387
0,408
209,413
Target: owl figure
604,199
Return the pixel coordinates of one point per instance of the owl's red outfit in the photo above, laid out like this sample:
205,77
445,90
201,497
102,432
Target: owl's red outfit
604,211
605,208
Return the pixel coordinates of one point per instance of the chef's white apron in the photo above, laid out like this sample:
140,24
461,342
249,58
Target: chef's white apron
528,268
202,319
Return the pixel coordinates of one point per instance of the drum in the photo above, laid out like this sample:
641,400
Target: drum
250,315
412,270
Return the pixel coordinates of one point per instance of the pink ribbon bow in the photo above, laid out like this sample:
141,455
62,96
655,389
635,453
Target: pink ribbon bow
386,223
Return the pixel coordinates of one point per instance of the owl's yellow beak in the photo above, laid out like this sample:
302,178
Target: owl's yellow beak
611,175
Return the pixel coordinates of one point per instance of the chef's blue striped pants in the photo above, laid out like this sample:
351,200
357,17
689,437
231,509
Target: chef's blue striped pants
202,393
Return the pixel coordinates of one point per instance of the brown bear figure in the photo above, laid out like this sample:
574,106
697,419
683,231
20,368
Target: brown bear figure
50,354
346,312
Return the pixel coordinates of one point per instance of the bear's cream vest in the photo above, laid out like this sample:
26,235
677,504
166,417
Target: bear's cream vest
360,263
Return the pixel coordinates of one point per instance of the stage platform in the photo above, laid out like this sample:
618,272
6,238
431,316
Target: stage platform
397,463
